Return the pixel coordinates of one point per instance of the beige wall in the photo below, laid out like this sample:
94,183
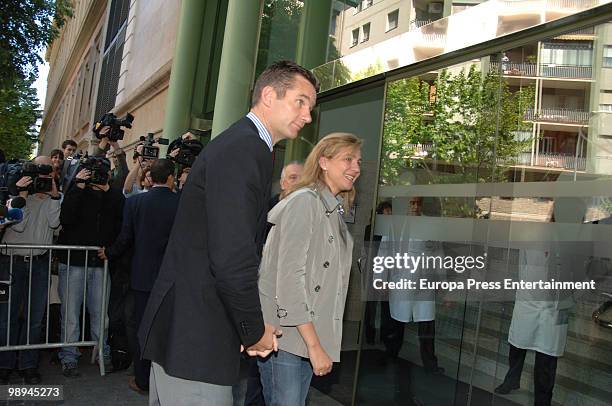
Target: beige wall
149,45
145,69
148,118
376,15
73,64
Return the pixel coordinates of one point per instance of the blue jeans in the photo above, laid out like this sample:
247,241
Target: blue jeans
285,378
20,284
71,284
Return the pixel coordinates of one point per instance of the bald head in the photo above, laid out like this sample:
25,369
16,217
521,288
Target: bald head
43,160
290,175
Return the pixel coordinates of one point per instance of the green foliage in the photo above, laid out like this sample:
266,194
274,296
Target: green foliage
334,73
27,27
466,122
18,115
371,70
279,30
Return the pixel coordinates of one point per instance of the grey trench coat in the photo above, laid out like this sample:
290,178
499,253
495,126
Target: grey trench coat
304,273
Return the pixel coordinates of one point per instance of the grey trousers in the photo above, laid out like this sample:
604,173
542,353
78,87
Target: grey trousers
166,390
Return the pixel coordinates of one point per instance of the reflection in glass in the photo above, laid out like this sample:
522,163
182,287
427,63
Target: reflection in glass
445,128
406,32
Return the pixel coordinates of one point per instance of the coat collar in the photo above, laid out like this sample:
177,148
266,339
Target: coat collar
332,203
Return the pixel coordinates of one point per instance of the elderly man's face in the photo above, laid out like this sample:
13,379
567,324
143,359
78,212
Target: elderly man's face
291,175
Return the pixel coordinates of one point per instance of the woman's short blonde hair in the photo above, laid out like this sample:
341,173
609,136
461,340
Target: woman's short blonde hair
328,147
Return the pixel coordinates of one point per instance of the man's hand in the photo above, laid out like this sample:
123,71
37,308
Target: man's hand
174,152
320,361
83,174
267,343
102,253
54,192
139,152
115,146
24,183
188,136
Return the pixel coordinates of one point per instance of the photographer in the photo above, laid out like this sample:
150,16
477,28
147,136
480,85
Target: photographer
147,222
30,273
120,167
137,181
91,215
184,151
69,148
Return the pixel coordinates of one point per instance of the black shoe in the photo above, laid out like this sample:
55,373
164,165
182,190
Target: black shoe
70,370
505,388
5,376
31,376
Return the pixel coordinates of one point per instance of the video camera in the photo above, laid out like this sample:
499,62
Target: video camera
115,124
150,151
16,171
99,168
188,151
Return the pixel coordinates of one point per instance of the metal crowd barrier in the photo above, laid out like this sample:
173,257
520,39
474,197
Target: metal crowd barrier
7,250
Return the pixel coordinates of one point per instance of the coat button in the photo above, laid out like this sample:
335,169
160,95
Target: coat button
326,264
317,288
331,238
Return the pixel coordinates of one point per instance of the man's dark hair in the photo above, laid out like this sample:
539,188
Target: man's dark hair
161,169
68,142
280,75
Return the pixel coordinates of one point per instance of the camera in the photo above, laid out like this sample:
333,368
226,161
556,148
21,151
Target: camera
99,168
22,169
115,124
188,151
150,151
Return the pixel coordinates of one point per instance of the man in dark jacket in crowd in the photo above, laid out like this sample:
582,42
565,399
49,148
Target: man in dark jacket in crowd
91,215
147,222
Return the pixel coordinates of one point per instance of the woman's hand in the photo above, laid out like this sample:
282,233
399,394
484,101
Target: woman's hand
321,362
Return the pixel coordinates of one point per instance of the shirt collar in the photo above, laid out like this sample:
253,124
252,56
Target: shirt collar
264,134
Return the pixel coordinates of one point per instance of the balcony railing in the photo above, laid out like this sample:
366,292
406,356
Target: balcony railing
571,4
414,24
555,115
546,70
551,160
583,31
559,161
514,69
566,71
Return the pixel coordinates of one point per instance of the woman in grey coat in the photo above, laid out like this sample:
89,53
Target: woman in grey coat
305,269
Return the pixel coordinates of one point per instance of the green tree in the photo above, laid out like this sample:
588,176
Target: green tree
466,122
280,23
28,26
18,115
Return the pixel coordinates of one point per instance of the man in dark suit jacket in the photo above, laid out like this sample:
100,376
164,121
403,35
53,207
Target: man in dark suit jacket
205,303
147,221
